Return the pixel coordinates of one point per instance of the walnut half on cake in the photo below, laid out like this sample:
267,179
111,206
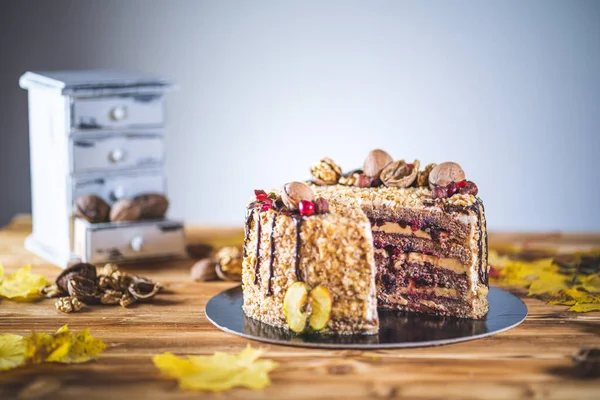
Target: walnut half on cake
389,235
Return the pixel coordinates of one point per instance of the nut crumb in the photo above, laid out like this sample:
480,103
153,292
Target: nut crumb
68,304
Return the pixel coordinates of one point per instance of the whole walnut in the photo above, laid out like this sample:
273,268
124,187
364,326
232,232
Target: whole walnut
204,270
125,210
154,205
91,208
375,162
446,173
294,192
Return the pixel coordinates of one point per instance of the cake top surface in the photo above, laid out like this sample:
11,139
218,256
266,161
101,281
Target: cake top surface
413,197
382,183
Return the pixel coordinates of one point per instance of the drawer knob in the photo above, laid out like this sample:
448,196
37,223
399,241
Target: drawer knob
136,243
118,113
117,194
116,155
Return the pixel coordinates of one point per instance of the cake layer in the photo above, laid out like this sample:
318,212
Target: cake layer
432,223
407,244
334,250
451,264
430,302
420,276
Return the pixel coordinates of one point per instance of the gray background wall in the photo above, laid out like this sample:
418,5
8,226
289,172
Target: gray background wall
511,90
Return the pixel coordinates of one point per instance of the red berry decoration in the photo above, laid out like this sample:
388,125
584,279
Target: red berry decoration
461,184
411,166
469,188
261,195
439,192
306,207
452,188
266,207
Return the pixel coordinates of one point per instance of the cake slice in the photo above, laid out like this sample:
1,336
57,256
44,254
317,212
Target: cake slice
318,246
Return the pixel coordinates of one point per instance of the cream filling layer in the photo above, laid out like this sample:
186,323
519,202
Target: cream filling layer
392,227
437,291
452,264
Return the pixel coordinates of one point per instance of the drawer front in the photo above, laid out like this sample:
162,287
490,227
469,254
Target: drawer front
116,152
113,188
128,241
118,112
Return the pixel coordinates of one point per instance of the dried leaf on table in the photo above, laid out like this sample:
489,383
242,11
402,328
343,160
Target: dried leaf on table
219,372
63,347
571,280
21,285
548,283
12,351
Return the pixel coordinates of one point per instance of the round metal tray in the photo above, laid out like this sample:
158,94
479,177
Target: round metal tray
396,329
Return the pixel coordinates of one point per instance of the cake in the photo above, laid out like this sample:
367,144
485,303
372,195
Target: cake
322,256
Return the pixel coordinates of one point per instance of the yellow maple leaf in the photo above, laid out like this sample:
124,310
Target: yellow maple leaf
591,283
22,284
12,351
62,347
585,307
219,372
522,273
549,283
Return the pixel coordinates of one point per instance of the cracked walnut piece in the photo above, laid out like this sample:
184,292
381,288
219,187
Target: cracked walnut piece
349,179
423,176
68,304
229,263
325,172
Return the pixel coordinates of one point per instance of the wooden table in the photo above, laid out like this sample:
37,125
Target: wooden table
530,361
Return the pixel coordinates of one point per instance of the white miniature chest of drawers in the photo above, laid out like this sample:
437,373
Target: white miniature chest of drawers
102,133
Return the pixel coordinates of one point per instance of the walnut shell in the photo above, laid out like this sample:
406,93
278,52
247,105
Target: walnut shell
446,173
84,270
294,192
398,174
91,208
141,292
375,162
83,289
154,205
125,210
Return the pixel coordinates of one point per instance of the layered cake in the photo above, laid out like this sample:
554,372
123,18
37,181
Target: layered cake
323,256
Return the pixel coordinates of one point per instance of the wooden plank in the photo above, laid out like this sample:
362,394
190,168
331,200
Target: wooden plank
530,361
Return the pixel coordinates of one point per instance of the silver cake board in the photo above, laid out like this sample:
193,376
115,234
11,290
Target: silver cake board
396,329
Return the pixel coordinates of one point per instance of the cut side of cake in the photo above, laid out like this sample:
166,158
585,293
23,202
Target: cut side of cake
431,256
323,257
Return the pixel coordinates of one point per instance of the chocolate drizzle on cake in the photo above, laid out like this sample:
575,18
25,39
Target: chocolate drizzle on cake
249,215
271,256
298,220
482,268
257,265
